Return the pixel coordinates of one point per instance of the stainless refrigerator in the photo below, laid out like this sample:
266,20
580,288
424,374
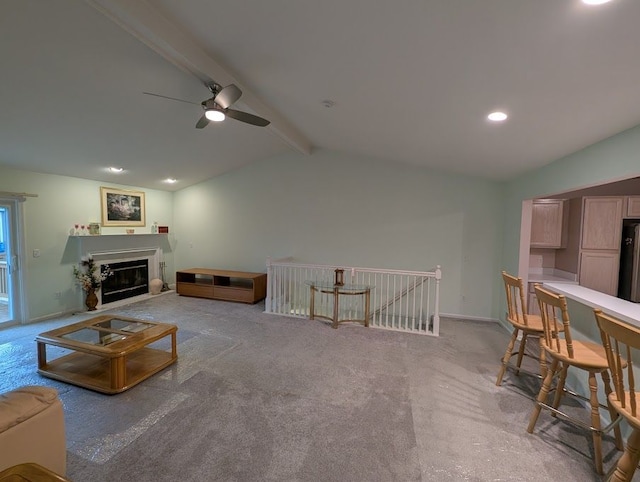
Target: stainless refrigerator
628,282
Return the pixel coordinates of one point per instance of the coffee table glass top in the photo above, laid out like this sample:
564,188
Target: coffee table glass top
93,336
129,326
102,332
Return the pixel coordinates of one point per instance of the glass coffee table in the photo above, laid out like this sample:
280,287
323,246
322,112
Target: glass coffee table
108,353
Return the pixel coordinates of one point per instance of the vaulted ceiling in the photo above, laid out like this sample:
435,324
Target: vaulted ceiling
409,81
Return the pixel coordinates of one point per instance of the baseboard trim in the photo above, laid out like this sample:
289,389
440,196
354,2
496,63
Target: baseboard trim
453,316
59,314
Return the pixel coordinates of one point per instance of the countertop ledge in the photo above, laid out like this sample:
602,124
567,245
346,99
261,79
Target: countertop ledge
624,310
549,278
552,275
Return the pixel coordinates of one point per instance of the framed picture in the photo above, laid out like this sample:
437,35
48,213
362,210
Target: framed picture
121,207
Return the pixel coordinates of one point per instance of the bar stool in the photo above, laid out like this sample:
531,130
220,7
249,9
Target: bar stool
621,341
521,321
564,352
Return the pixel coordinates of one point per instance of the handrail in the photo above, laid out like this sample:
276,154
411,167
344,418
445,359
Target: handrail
403,300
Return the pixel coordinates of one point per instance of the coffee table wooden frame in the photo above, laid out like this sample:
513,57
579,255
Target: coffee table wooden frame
111,368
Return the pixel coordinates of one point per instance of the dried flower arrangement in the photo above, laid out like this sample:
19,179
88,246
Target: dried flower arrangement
88,274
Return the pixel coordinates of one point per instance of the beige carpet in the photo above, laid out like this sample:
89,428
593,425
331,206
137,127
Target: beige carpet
261,397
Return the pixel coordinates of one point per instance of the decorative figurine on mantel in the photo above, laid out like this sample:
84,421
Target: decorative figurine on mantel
90,278
339,277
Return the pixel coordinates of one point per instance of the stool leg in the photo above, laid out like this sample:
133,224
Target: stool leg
628,462
543,359
595,422
560,388
542,395
507,356
606,380
523,343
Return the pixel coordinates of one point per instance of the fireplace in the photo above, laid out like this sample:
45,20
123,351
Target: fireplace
132,268
128,279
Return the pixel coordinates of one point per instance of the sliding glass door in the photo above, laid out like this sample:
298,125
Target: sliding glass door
10,286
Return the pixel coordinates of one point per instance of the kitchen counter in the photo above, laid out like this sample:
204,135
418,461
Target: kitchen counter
550,275
549,278
624,310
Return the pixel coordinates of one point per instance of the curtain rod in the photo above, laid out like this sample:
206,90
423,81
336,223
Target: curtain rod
16,194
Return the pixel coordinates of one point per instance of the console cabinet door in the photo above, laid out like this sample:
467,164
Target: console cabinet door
599,271
602,223
547,221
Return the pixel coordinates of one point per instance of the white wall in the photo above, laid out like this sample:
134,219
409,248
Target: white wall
340,209
61,202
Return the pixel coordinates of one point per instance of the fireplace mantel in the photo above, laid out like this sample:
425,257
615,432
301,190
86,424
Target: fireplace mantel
110,242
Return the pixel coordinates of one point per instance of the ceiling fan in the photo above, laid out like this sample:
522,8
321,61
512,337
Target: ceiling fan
217,107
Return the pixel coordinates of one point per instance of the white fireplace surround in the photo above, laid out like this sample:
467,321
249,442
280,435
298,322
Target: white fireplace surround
153,255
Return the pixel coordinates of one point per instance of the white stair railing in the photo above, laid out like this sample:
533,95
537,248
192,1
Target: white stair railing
400,300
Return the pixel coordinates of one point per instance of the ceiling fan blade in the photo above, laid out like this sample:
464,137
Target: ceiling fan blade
202,122
171,98
246,117
228,95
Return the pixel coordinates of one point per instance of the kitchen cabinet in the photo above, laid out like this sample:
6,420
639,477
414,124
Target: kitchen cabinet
600,243
548,223
599,271
633,207
601,223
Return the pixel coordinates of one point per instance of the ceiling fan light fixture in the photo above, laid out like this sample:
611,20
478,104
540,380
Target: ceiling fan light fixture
214,115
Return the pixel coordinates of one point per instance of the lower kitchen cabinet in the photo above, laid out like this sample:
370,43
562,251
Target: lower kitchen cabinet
599,271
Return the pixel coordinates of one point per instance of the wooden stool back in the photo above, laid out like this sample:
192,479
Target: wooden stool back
516,305
555,320
621,342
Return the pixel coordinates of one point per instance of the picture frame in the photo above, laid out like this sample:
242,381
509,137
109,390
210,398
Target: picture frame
122,207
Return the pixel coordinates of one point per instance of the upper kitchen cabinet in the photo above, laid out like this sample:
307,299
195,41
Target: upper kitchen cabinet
549,223
633,207
602,222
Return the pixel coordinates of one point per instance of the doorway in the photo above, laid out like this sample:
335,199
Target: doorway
10,286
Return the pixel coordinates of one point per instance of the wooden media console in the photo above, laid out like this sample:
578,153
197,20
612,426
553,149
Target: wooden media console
222,285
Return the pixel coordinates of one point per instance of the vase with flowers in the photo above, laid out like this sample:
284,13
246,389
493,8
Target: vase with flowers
90,277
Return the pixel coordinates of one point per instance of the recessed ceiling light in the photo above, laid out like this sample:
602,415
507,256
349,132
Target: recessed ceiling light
115,169
171,180
595,2
497,116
